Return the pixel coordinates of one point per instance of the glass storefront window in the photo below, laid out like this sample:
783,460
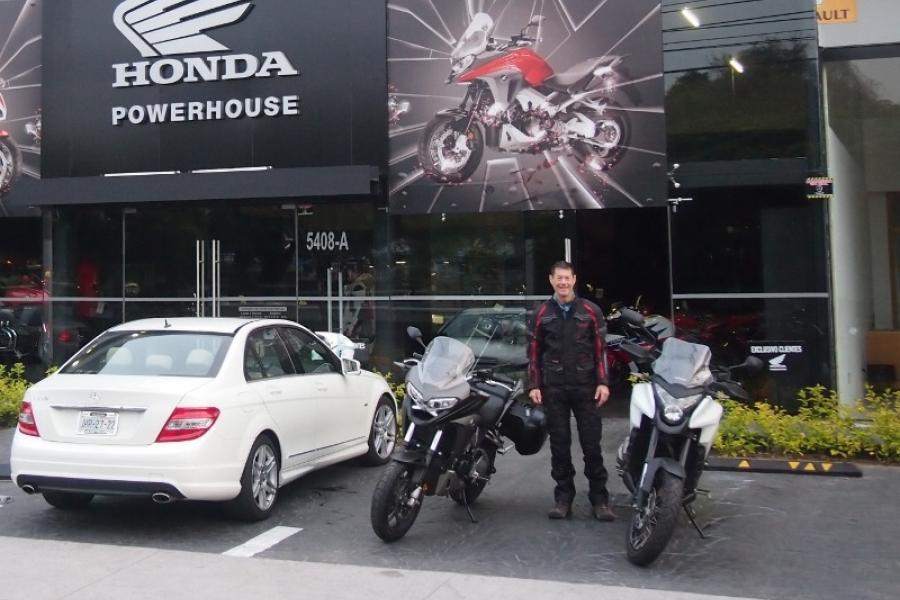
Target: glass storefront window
790,335
753,240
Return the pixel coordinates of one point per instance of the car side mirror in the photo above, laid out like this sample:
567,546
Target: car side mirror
350,366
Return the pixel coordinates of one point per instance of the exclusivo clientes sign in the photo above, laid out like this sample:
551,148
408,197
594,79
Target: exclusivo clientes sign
162,28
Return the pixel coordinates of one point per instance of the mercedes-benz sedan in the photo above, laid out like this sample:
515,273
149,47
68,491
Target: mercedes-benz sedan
198,409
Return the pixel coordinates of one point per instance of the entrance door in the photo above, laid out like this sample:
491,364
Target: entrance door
336,268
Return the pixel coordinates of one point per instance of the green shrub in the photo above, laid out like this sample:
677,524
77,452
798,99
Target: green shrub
822,425
12,389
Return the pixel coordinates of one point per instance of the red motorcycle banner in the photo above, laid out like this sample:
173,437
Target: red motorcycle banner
20,98
525,105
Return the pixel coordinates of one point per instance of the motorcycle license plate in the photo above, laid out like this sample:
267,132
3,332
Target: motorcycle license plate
98,423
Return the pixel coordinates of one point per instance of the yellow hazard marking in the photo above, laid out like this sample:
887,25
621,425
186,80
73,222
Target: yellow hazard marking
809,467
744,464
826,467
794,464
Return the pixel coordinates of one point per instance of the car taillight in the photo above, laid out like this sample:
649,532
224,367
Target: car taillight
26,420
187,424
65,336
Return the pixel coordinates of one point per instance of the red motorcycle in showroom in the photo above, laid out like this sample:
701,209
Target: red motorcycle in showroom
10,157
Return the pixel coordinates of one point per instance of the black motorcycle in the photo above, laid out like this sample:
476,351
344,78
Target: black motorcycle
456,417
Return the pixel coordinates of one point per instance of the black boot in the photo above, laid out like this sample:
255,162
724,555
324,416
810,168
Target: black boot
562,510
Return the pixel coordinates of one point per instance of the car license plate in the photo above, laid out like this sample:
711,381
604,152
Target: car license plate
91,422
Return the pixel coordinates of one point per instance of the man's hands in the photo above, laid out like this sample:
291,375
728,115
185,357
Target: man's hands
601,395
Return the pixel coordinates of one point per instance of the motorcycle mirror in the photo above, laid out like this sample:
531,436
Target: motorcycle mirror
415,333
753,365
632,317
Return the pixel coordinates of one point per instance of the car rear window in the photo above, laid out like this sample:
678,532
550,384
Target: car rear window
151,353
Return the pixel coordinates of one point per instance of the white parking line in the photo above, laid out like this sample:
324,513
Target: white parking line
262,542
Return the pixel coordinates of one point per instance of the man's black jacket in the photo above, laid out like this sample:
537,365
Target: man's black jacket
567,350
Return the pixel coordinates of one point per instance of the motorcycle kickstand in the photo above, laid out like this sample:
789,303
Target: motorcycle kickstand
468,508
691,516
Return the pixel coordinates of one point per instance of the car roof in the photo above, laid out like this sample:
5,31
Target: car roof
194,324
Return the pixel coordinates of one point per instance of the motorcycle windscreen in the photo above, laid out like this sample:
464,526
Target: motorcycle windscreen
475,38
684,363
445,363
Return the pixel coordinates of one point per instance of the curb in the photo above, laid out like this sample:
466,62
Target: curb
796,467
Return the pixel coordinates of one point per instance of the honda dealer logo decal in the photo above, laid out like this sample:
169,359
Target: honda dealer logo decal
162,29
157,29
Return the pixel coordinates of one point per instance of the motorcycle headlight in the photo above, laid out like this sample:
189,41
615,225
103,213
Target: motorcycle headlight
441,403
462,64
674,408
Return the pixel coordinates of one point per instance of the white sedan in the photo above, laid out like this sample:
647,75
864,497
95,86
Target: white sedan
198,409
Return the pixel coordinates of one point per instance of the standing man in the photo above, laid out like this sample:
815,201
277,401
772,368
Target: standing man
567,374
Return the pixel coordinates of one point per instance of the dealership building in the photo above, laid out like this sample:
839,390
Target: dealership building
361,166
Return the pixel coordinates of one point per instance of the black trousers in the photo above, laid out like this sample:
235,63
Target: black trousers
559,404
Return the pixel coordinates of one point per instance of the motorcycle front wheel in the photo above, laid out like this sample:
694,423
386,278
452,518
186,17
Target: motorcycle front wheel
392,515
451,149
653,523
9,164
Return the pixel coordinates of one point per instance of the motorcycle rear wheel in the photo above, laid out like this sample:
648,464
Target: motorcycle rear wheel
652,524
613,128
391,514
442,155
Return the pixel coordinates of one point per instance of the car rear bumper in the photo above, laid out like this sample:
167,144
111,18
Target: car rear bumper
184,470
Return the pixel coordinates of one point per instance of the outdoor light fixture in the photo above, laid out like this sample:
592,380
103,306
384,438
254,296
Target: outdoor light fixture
690,17
141,173
737,66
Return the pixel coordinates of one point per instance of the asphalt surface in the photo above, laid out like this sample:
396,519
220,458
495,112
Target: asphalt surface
769,536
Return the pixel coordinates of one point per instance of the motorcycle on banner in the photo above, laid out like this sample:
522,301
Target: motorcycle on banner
456,415
516,103
10,157
674,421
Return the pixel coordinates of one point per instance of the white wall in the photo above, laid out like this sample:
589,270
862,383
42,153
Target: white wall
850,262
878,23
881,261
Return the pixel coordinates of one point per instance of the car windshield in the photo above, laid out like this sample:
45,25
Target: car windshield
683,363
445,360
151,353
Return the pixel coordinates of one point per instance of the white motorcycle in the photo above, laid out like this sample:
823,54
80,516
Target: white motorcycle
674,421
516,103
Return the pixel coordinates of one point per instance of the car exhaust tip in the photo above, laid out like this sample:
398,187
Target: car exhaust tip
29,489
162,498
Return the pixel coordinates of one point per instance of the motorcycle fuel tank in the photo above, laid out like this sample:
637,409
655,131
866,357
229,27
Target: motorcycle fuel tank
533,68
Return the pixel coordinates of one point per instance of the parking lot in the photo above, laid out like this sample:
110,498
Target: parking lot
769,536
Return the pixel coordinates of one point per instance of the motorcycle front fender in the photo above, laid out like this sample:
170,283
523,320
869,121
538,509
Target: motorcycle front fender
451,112
642,403
410,457
653,465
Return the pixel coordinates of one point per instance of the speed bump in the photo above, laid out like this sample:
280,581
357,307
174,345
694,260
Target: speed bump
769,465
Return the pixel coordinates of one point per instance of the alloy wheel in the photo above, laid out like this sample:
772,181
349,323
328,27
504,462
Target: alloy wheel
384,431
264,477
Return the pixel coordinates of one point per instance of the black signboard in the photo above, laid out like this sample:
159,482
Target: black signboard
184,86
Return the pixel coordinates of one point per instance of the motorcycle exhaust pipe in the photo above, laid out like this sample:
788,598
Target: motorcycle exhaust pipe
161,498
29,489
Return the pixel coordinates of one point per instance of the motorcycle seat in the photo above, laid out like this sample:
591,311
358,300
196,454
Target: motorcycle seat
569,78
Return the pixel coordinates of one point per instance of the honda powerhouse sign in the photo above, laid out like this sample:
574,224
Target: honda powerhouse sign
175,85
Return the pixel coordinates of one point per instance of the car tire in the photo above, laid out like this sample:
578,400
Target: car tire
67,500
382,433
259,483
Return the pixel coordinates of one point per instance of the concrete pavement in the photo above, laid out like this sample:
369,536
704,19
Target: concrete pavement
45,570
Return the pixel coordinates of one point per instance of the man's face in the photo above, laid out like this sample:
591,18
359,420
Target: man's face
563,282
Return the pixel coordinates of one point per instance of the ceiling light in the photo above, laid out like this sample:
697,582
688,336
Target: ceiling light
690,17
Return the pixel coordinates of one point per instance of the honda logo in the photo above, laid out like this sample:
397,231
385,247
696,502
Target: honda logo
167,27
